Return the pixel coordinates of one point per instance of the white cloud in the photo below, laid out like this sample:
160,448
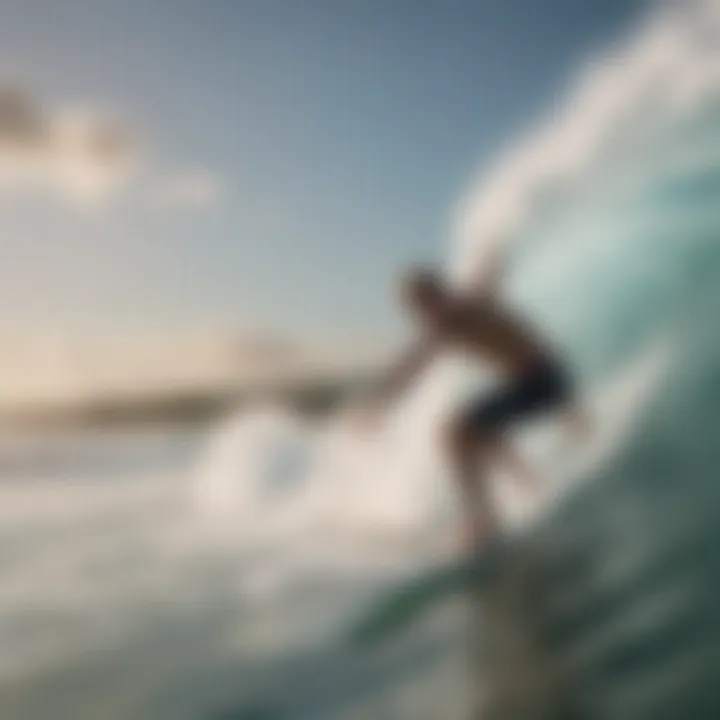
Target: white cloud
83,157
196,190
79,156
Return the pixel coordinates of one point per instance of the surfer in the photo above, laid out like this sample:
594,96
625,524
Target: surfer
534,380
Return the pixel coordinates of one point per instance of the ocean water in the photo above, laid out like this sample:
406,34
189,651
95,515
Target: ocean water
120,600
211,574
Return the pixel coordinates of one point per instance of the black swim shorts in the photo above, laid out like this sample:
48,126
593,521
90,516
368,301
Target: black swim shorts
543,389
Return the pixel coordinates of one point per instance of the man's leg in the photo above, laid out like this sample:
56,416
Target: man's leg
470,451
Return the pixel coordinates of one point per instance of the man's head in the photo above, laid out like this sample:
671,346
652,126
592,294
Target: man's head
424,292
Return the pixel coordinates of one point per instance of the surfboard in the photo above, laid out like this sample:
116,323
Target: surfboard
399,607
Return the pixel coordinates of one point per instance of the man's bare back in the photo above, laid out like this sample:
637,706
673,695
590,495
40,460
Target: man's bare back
480,327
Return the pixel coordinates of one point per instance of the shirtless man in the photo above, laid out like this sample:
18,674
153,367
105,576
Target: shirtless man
534,381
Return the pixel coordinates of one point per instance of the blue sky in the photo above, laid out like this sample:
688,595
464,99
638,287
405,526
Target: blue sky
340,132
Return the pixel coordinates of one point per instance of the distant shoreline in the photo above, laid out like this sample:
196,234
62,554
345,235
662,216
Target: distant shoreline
174,408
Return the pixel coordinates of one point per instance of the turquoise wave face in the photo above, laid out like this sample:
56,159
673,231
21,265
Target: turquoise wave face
629,595
617,256
630,603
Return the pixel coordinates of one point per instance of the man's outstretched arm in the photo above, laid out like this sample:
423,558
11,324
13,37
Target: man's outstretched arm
402,373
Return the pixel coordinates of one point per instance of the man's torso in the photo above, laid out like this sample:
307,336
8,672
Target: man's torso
482,328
